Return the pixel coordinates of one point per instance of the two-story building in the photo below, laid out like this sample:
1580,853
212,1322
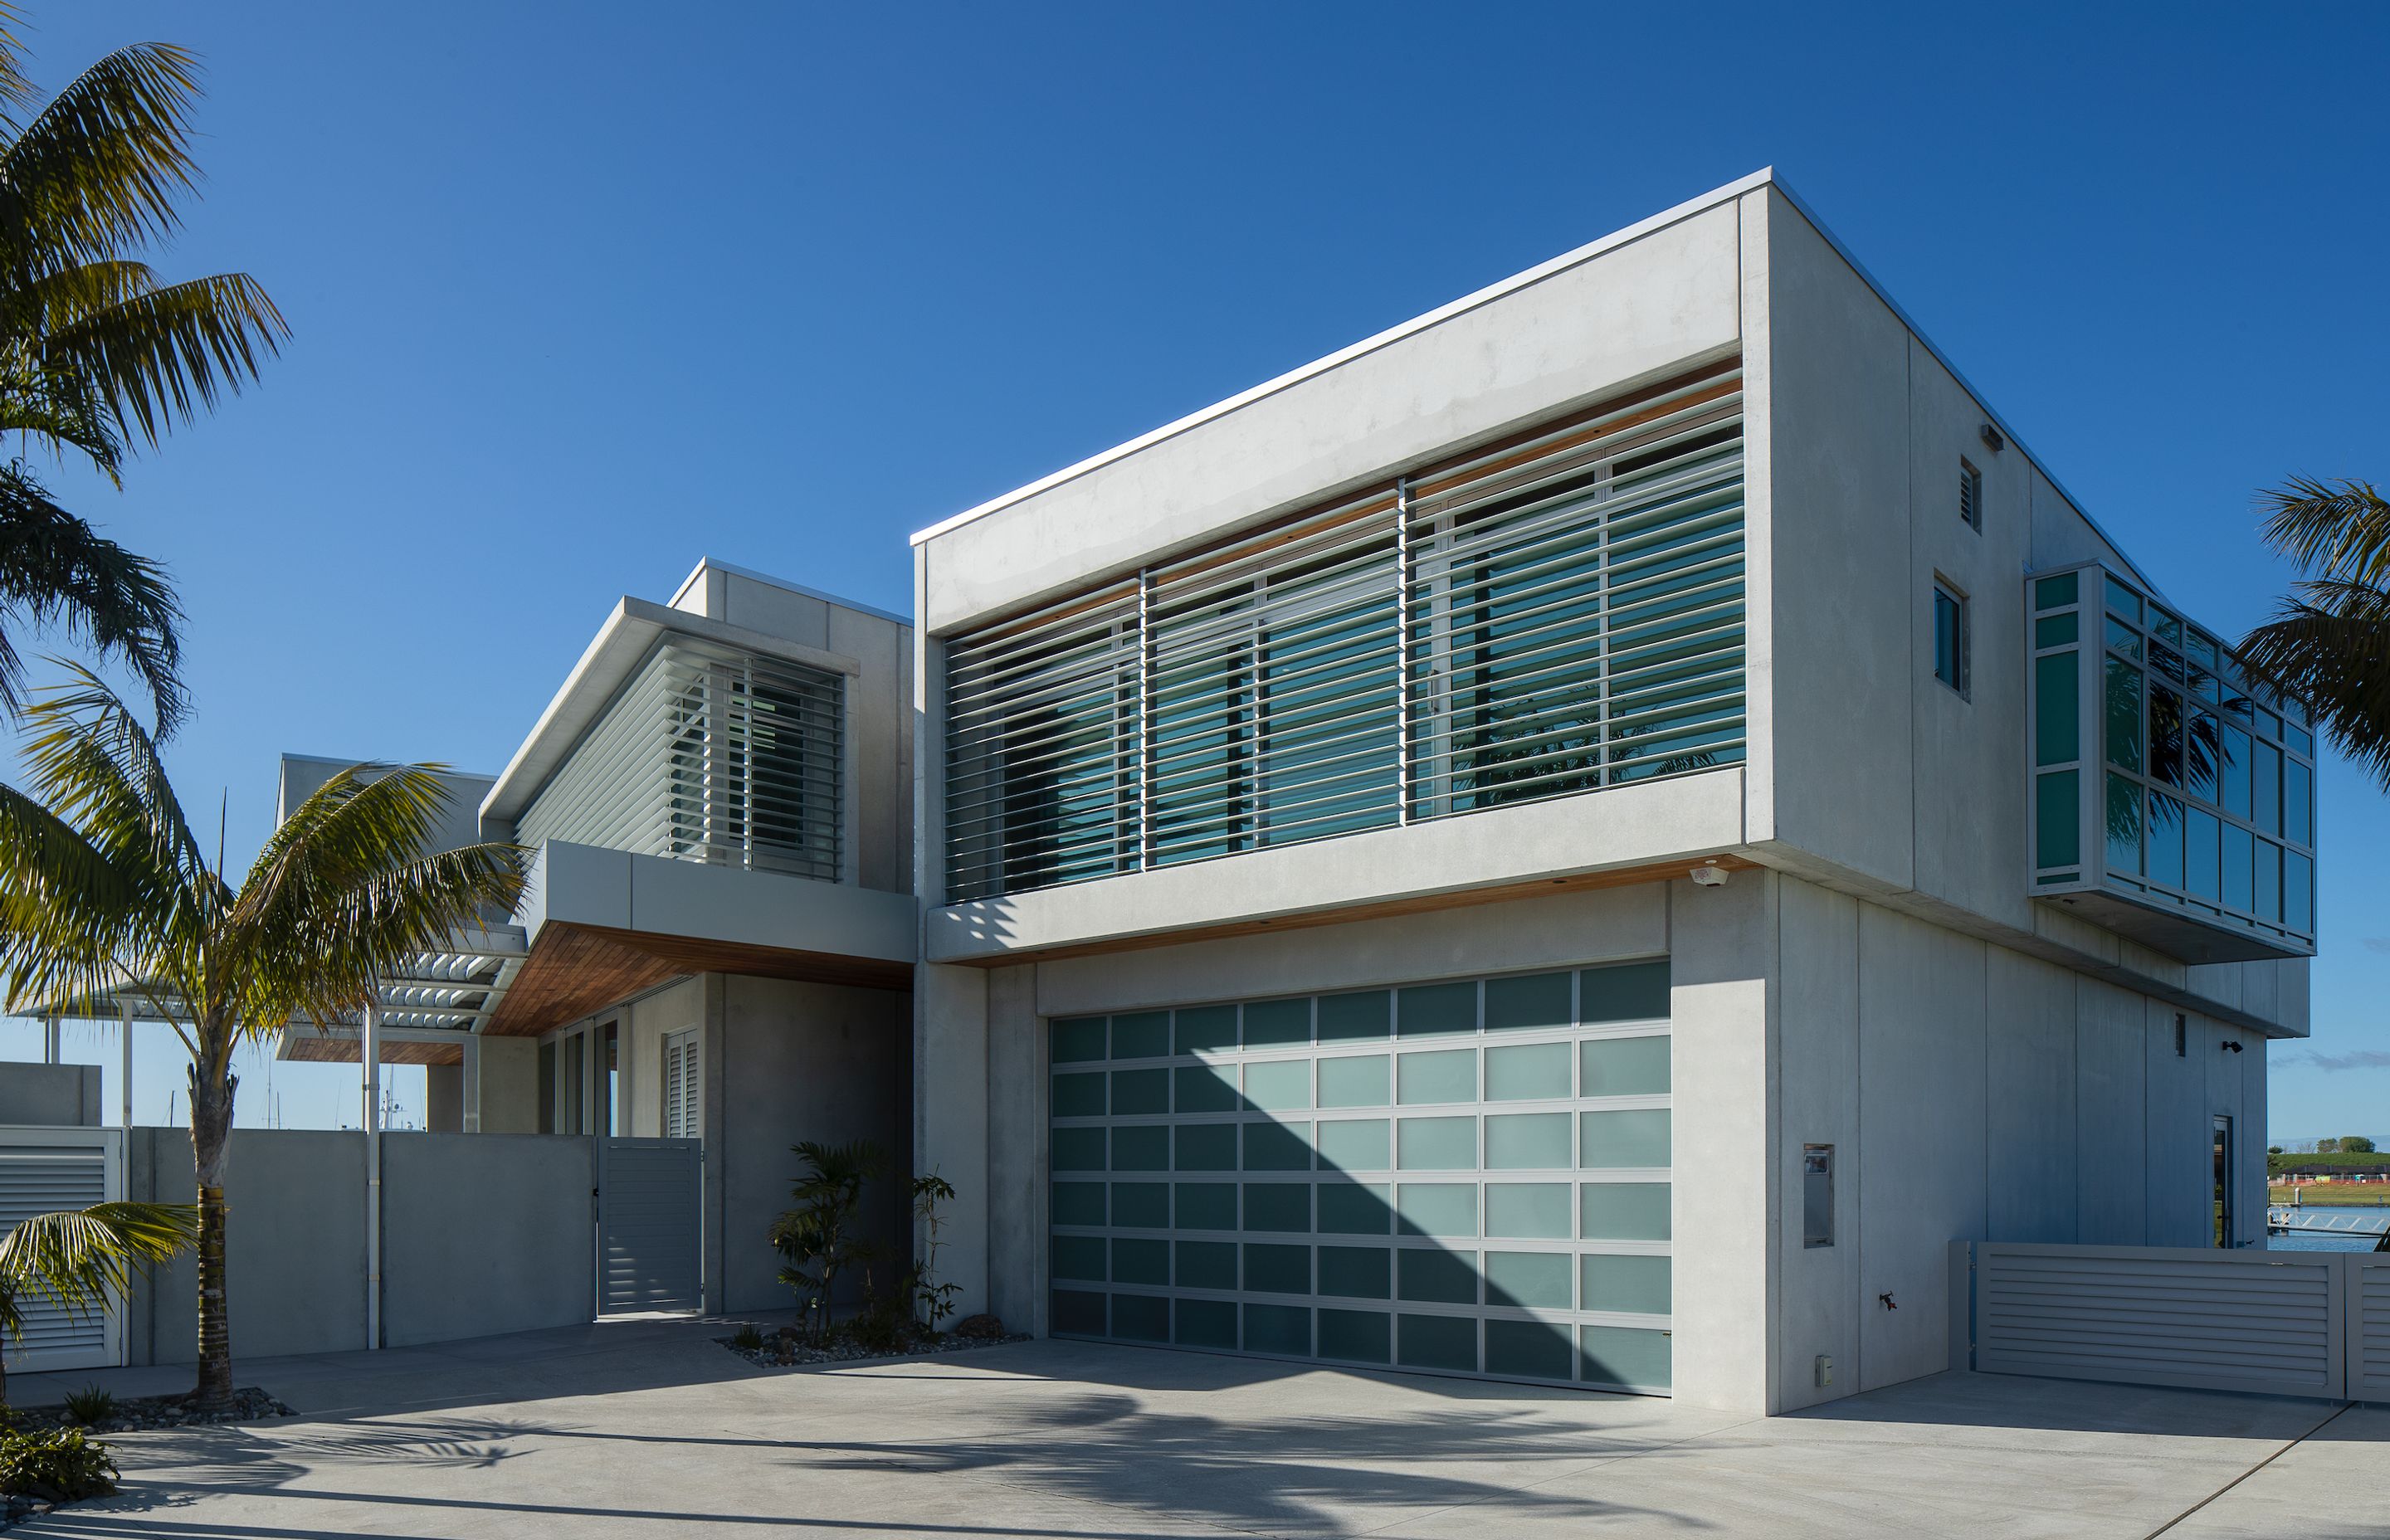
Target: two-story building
1585,839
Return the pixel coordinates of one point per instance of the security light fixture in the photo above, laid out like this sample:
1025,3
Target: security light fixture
1709,877
2231,1048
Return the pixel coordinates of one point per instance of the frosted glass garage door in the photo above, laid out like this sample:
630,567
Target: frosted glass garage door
1465,1178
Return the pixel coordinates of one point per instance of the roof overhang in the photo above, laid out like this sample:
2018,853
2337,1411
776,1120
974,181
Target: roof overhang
624,643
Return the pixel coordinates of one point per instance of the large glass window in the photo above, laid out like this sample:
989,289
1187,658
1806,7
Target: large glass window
1950,638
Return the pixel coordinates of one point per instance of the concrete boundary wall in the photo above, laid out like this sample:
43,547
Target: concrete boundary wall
481,1233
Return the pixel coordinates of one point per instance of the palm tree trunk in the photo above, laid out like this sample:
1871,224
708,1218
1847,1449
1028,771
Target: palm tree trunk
211,1093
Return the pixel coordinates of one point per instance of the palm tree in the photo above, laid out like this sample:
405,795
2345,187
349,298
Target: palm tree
82,1258
2329,642
105,892
95,351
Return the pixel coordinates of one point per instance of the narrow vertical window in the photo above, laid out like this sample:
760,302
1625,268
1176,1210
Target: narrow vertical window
1950,637
1971,496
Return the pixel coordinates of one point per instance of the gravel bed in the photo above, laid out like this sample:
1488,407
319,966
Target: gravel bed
145,1413
778,1353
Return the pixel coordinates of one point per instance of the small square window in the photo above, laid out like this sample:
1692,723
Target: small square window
1950,644
1971,496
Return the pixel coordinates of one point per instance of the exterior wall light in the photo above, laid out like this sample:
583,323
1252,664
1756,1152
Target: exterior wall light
1709,877
2230,1047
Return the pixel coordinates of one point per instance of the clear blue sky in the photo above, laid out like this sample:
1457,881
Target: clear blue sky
582,293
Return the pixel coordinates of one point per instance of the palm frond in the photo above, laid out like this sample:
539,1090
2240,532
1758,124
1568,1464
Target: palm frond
99,168
56,569
89,761
161,355
65,911
2327,645
2334,529
17,91
79,1257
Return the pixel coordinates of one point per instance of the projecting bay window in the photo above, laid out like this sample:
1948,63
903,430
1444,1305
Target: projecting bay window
1556,615
2167,787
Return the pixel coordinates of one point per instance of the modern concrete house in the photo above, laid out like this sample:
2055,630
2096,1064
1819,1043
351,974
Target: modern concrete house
1587,838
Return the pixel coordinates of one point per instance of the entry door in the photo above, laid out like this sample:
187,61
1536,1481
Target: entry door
648,1232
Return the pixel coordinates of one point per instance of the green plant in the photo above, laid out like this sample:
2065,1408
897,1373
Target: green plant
817,1236
106,895
91,1405
79,1258
747,1339
2356,1144
57,1465
932,1301
2329,641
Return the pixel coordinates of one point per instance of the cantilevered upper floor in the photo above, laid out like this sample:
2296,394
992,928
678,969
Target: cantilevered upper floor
1683,549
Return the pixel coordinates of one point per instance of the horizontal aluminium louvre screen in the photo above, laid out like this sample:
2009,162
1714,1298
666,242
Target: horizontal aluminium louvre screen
708,755
1561,613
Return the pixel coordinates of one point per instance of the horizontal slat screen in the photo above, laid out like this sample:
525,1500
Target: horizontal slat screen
1561,613
708,755
49,1178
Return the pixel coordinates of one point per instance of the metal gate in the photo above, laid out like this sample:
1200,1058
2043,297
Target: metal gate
649,1237
42,1170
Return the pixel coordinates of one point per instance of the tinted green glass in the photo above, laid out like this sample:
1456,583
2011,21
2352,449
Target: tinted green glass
1079,1095
1529,1210
1623,1355
1141,1093
1277,1147
1079,1039
1281,1329
1146,1036
1206,1029
1208,1088
1276,1024
2201,855
1356,1272
1356,1017
1438,1342
2057,821
1207,1264
1623,1066
1207,1146
2057,704
1622,1211
1426,1010
1636,1138
1278,1085
1077,1313
2124,826
1140,1205
1435,1276
1531,1350
1284,1207
2057,630
1356,1336
1529,1071
1144,1146
2298,802
1360,1080
1080,1257
1141,1260
2124,638
1535,1280
2164,839
2240,868
1079,1150
1141,1318
1438,1207
1449,1075
1527,1141
1078,1202
1205,1205
1637,1285
1541,1000
1358,1145
1630,991
2123,601
2269,880
2050,593
2298,892
1204,1323
1355,1207
1435,1144
2123,709
1278,1269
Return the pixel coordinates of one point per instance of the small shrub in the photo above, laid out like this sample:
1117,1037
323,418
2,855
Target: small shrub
91,1405
749,1340
57,1465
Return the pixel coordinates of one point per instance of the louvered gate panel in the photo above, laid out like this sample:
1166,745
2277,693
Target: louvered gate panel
2369,1327
41,1171
649,1192
2155,1315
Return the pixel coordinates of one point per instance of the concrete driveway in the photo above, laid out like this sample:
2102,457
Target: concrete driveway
650,1428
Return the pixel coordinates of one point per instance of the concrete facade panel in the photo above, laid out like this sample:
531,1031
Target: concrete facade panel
1818,1087
2030,1063
484,1234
